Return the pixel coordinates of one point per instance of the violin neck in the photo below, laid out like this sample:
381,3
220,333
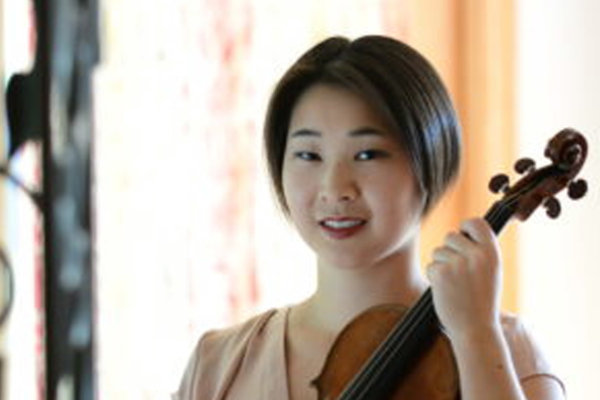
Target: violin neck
498,215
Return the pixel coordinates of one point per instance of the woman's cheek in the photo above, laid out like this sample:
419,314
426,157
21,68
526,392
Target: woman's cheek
297,188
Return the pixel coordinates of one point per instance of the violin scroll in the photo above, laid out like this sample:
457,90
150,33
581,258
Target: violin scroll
568,151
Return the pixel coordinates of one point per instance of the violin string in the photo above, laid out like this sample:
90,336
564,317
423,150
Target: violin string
385,354
420,312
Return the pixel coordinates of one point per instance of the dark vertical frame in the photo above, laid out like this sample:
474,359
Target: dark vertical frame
67,51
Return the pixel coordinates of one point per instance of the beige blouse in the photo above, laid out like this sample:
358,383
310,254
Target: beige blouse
248,361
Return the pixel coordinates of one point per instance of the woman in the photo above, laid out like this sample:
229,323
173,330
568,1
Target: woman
362,140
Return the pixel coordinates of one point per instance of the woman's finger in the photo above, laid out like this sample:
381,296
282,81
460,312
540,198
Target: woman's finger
458,242
447,255
478,230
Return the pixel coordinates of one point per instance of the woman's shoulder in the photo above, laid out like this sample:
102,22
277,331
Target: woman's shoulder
224,338
221,347
527,355
219,352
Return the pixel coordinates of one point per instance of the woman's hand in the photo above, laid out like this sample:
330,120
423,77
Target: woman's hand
466,277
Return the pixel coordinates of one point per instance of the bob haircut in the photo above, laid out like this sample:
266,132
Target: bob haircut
400,85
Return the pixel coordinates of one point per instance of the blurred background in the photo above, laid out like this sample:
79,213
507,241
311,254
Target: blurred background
186,235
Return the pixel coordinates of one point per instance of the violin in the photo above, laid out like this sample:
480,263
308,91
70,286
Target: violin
392,352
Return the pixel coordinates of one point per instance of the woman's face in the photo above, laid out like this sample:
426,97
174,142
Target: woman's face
348,184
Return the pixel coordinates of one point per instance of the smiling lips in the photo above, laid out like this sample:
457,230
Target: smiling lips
342,228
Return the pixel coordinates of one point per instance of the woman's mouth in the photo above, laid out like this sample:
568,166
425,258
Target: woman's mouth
342,228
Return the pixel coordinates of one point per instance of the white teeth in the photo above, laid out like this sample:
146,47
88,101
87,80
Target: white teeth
342,224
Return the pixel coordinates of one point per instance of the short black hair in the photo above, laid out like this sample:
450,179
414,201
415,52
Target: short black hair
398,82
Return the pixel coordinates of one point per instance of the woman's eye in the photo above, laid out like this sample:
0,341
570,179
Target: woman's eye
307,156
369,155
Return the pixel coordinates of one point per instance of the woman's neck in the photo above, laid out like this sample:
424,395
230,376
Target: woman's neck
342,294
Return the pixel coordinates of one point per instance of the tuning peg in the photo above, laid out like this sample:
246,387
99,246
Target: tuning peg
499,183
525,165
552,206
577,189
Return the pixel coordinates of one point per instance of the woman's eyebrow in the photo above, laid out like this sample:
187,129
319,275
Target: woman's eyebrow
366,131
305,133
363,131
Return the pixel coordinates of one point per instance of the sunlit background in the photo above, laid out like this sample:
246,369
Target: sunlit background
187,236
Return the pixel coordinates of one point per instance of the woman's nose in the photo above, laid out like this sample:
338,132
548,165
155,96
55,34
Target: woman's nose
338,184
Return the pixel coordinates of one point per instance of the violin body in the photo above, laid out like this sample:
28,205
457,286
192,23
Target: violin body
432,376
